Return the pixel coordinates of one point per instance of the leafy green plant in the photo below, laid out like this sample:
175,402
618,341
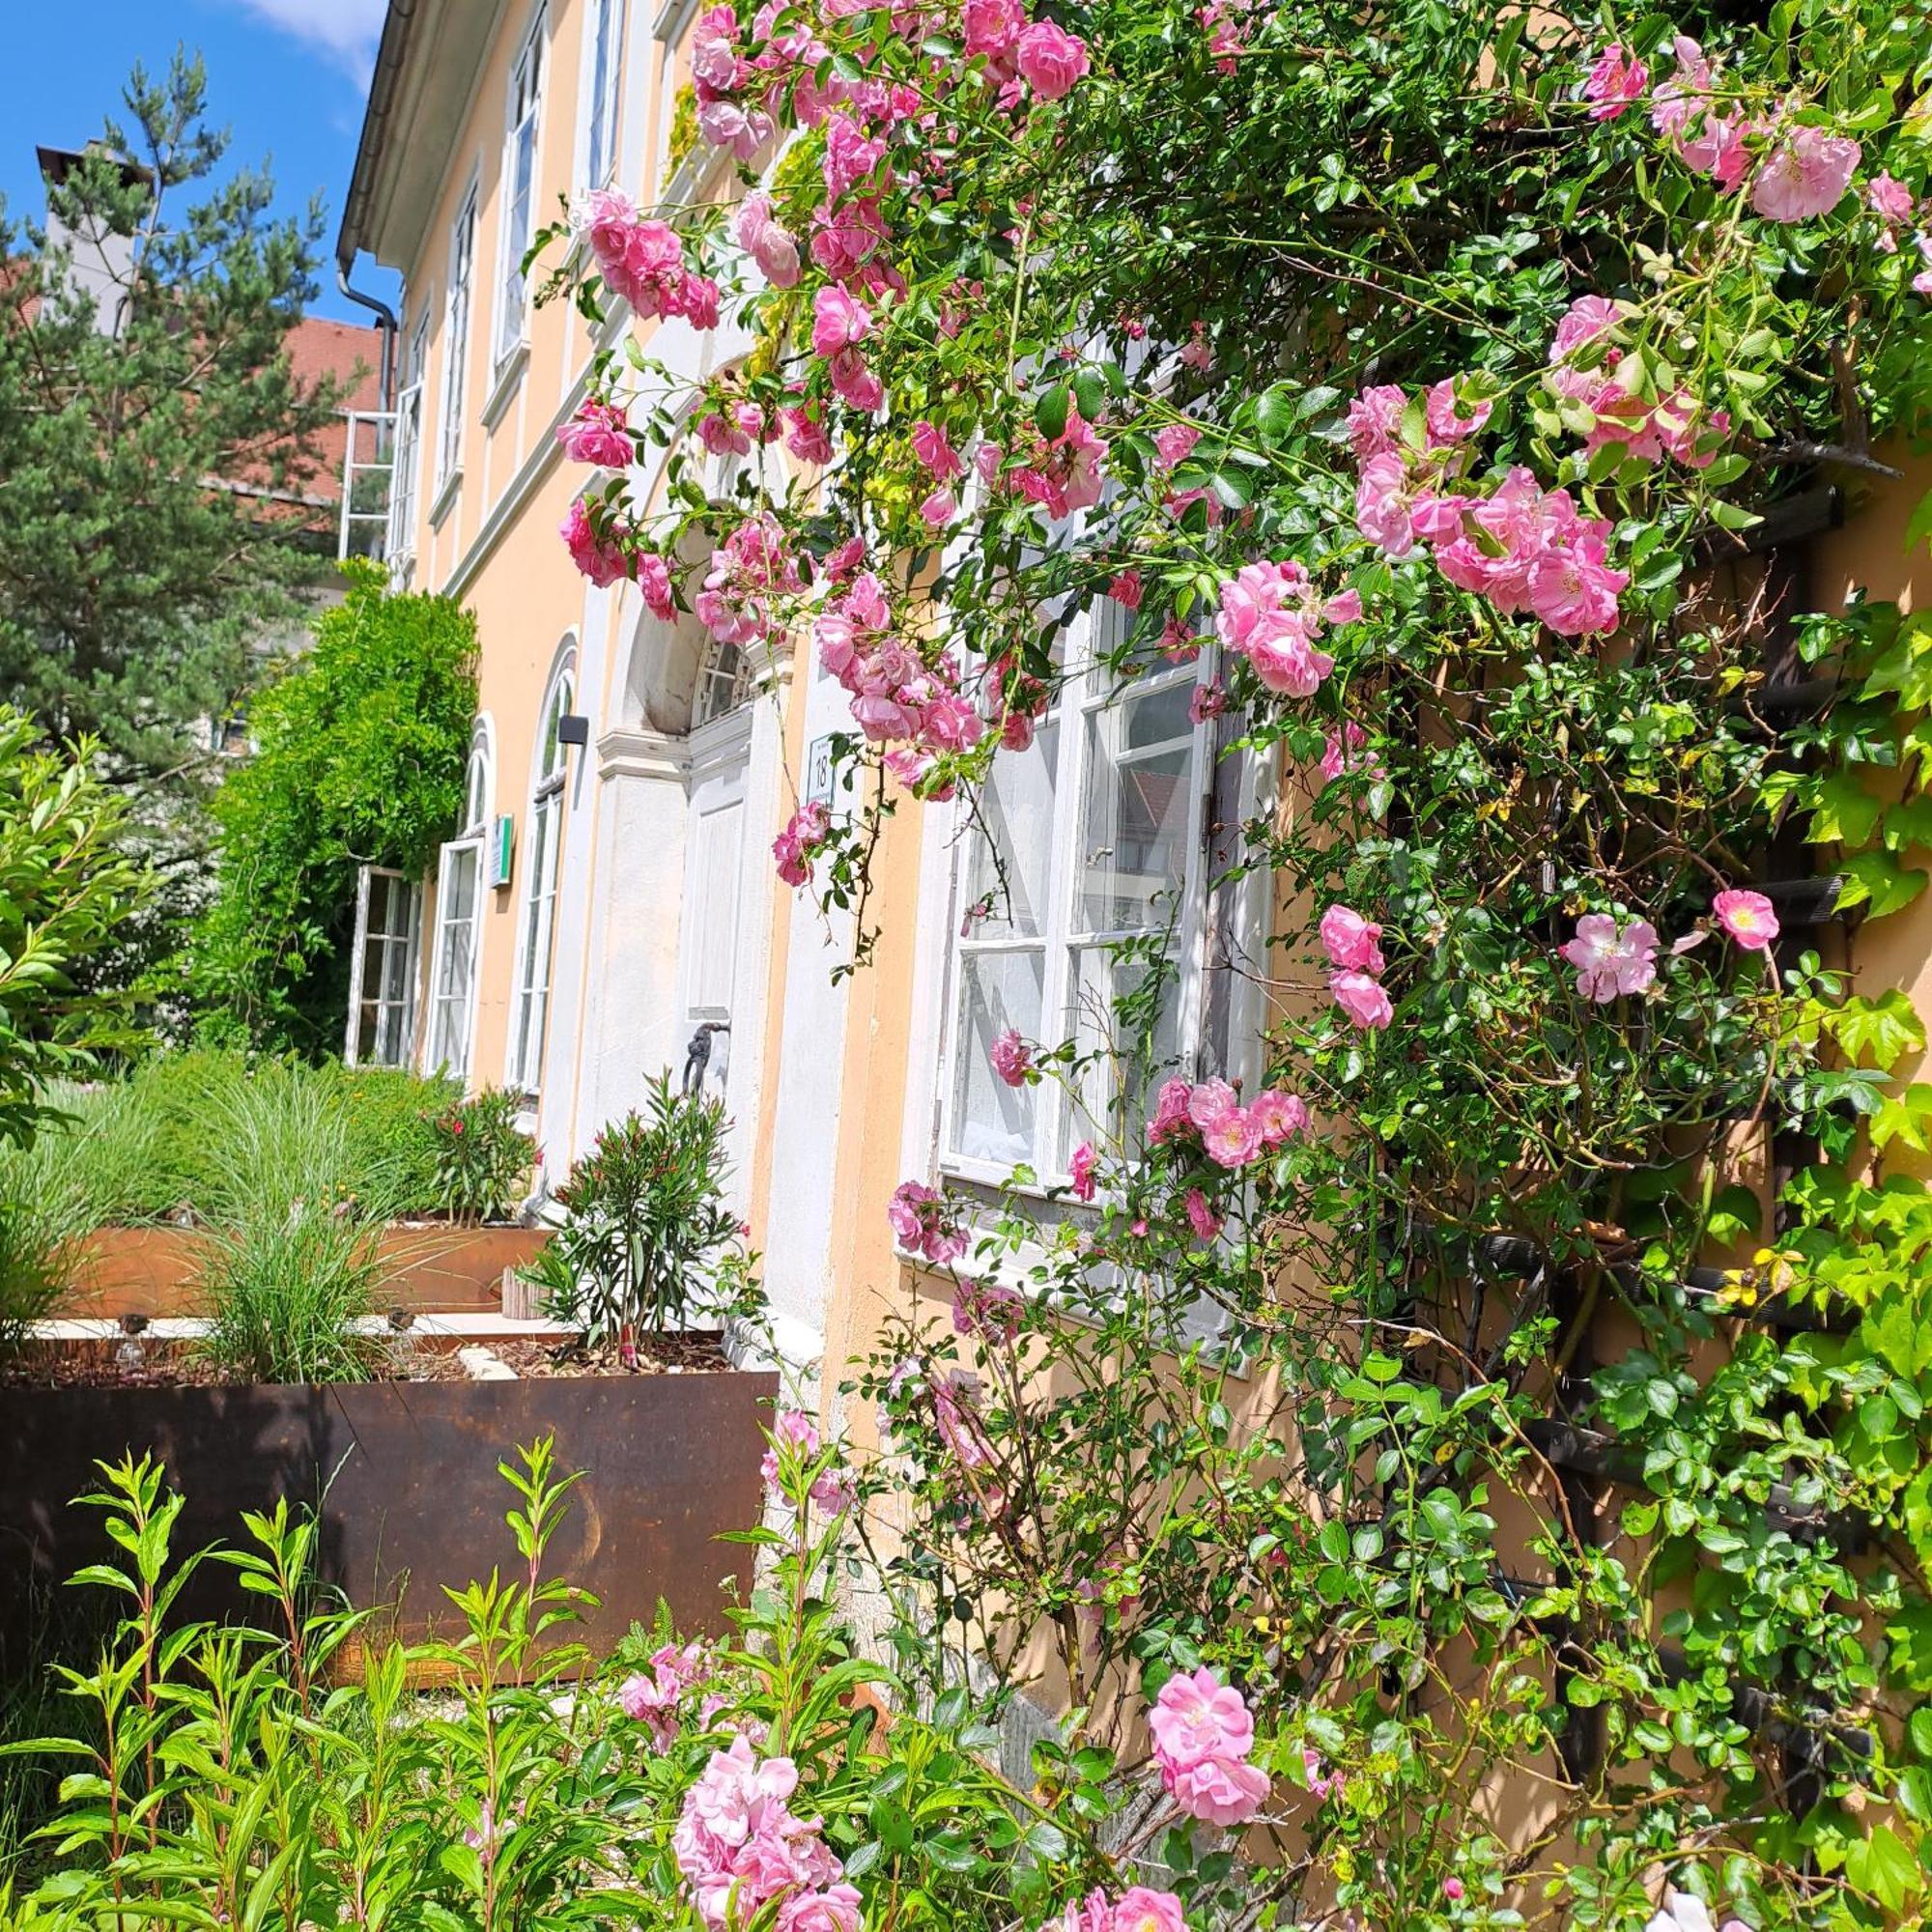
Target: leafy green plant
234,1775
647,1237
289,1283
482,1157
66,890
361,744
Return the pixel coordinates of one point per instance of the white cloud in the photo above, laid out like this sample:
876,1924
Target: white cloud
346,30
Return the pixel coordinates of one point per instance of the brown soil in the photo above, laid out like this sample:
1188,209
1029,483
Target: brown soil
180,1365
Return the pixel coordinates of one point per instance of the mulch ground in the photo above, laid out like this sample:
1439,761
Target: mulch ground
182,1364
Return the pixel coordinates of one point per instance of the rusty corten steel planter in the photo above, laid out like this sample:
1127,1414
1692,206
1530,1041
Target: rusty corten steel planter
414,1499
434,1268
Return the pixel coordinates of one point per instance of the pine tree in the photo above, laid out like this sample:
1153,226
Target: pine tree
154,445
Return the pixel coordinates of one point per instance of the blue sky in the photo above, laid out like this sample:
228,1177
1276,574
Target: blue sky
286,77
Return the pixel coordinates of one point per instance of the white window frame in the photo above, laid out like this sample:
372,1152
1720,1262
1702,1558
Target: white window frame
409,447
603,39
452,1010
668,30
402,1050
543,872
457,315
523,142
1088,695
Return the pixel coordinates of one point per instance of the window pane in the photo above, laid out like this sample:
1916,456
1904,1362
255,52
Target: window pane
1123,1010
1011,857
1139,812
993,1122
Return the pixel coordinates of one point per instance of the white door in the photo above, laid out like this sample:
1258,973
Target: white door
715,886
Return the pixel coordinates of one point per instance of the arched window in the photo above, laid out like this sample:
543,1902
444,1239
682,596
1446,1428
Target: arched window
459,916
724,683
543,846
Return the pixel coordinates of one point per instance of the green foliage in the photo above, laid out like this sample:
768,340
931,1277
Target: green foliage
65,890
482,1157
1480,1491
133,596
287,1282
203,1130
362,742
648,1239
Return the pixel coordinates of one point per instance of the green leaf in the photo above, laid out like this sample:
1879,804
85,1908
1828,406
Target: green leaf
1877,881
1049,414
1880,1032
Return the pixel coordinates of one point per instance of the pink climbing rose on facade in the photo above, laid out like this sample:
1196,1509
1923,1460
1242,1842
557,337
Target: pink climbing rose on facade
1611,960
922,1223
1201,1217
1080,1170
796,846
1805,174
1203,1734
1362,997
1012,1058
1615,81
1747,919
1350,940
1051,61
599,434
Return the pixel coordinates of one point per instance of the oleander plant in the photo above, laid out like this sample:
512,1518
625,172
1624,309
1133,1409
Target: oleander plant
1475,1467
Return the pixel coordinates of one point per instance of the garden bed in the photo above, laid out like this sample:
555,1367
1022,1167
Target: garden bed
404,1476
426,1266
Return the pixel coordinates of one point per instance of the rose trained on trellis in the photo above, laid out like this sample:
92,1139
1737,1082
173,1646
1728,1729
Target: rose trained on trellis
1418,376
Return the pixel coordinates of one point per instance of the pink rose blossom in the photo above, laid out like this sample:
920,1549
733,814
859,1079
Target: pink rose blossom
930,445
1452,1889
1233,1139
1202,1736
599,434
1208,700
993,27
1012,1058
791,1429
772,247
838,322
1140,1910
1611,960
1747,918
1171,1111
801,840
1080,1168
1805,174
1051,61
1445,424
1349,941
921,1222
1175,442
1375,421
601,559
838,1908
1362,998
1278,1116
1126,589
1614,83
1201,1217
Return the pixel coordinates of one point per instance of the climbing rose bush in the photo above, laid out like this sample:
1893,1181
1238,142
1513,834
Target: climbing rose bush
1423,392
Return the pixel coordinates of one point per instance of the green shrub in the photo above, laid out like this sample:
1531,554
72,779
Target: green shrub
286,1283
648,1235
482,1157
393,1129
66,890
362,741
188,1130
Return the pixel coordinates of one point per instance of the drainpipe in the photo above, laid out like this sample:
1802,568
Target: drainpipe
386,320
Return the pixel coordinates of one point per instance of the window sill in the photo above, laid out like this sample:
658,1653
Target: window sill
509,377
445,501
